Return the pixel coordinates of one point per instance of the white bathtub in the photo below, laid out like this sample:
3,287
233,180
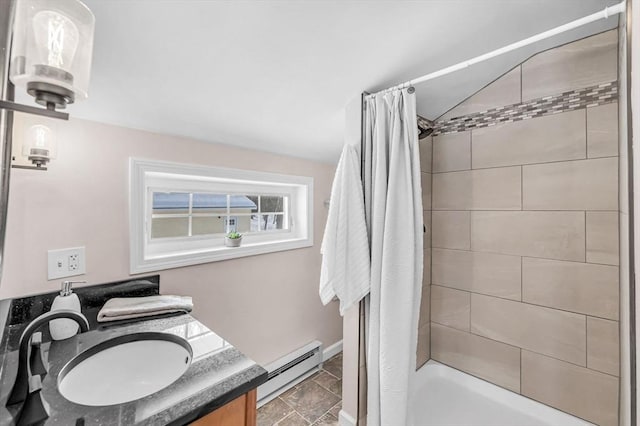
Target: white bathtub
443,396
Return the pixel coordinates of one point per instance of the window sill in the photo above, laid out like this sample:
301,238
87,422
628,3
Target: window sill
214,254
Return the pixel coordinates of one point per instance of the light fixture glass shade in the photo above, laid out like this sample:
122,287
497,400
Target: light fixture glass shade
39,145
51,50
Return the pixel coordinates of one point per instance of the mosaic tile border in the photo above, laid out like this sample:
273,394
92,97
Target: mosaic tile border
568,101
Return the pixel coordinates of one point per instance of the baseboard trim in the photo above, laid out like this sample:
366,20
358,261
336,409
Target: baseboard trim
345,420
332,350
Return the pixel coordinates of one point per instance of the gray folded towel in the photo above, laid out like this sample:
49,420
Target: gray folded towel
136,307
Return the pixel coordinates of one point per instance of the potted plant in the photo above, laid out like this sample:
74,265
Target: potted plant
233,239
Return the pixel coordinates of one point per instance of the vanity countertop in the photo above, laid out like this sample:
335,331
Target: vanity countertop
218,373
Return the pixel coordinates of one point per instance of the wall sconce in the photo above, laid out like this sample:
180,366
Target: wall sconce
40,145
51,51
50,57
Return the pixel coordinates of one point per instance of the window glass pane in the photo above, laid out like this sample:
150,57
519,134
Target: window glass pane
208,225
164,227
271,204
170,202
267,222
210,203
272,222
243,204
243,223
254,225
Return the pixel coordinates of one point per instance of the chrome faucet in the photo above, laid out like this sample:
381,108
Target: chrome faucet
20,388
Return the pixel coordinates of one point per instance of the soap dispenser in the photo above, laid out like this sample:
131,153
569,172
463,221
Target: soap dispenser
64,328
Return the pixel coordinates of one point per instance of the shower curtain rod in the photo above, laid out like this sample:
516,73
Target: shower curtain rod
603,14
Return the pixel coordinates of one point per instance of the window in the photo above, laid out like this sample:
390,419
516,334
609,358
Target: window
180,214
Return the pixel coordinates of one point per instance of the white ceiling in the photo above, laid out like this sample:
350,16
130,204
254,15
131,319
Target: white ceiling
276,75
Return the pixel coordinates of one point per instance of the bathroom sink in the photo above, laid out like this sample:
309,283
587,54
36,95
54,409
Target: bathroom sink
124,369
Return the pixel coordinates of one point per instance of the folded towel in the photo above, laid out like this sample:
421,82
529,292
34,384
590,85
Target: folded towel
345,267
136,307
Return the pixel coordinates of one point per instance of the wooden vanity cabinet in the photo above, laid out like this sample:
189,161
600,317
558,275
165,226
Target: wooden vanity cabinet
241,411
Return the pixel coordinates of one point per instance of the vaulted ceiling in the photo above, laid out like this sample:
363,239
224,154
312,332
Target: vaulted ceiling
276,75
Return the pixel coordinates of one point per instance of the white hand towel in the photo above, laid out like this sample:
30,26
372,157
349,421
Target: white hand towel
120,308
346,261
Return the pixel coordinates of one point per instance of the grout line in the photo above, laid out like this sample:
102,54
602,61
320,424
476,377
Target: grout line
586,135
585,236
520,83
525,255
514,210
471,150
520,371
520,348
521,187
586,341
569,160
524,349
523,302
521,278
470,308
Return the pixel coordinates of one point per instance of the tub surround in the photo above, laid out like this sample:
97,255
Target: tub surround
525,259
219,373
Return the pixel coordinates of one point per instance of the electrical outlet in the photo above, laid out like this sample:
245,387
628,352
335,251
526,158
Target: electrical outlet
66,263
73,262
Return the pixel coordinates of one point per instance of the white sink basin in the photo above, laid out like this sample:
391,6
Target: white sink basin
124,369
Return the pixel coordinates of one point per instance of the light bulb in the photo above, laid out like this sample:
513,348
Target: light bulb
51,50
39,146
57,39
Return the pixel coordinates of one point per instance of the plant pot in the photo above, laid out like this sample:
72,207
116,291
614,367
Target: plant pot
232,242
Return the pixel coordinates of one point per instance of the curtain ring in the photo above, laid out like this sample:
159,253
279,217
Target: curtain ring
411,90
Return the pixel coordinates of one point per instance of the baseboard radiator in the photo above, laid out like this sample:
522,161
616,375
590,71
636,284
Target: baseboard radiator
290,370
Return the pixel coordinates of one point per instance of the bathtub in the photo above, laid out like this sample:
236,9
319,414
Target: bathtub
443,396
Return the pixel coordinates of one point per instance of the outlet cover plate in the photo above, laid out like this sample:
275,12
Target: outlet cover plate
67,262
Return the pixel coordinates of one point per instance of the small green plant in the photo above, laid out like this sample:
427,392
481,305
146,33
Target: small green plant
233,235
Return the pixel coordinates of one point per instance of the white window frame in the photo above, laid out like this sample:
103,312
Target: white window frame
147,176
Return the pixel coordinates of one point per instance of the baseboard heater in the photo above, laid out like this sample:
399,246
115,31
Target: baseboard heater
289,370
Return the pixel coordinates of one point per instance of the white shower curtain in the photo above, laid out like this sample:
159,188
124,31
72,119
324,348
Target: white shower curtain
393,199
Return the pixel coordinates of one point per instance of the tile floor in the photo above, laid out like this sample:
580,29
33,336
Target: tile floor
315,401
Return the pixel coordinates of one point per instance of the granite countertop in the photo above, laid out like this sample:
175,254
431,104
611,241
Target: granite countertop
218,373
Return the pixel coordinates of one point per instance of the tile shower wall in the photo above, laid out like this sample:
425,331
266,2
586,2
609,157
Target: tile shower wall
424,322
525,279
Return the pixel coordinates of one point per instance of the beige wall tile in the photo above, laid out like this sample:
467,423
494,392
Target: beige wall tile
427,231
451,229
556,137
450,307
490,360
487,273
554,235
602,130
576,390
571,286
426,266
426,190
504,91
548,331
623,164
491,189
603,345
426,244
425,304
602,238
584,63
424,343
571,185
452,152
426,154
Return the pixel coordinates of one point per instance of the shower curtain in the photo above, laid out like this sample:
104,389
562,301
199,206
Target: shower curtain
393,203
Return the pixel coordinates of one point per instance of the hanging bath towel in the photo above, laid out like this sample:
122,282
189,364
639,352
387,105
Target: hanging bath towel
346,261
